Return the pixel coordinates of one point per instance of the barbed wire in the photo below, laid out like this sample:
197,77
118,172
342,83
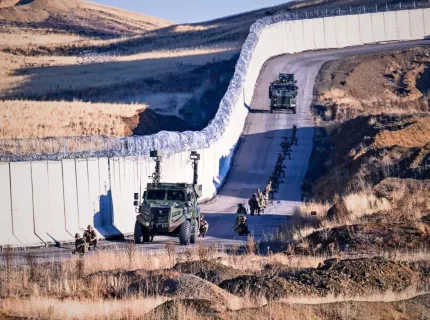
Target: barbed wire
90,56
57,148
360,10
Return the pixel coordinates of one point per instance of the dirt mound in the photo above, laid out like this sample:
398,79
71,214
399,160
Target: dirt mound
372,236
204,309
210,271
167,283
416,308
354,277
272,288
338,212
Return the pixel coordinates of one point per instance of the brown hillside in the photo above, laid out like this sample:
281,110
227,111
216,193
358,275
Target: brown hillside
57,12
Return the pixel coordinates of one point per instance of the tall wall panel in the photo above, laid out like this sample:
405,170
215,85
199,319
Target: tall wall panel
341,31
390,21
403,25
298,35
106,198
57,228
416,18
330,33
319,33
119,192
290,37
70,192
85,212
353,30
42,218
94,196
6,234
308,34
378,27
427,23
366,30
22,203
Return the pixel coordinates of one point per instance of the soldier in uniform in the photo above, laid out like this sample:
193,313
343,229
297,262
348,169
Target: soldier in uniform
241,209
261,201
278,170
241,226
80,245
90,236
204,226
275,182
268,187
269,190
286,147
254,205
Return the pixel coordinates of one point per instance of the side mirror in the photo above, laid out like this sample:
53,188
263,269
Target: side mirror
135,203
136,196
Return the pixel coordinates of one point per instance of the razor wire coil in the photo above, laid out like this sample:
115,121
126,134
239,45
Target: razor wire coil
90,56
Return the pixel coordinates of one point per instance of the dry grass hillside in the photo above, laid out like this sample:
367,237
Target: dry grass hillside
77,16
178,72
209,283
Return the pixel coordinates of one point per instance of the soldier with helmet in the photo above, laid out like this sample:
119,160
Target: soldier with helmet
90,236
80,245
204,226
241,209
254,205
241,226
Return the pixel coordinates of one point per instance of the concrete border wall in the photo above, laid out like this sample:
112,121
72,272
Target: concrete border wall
44,202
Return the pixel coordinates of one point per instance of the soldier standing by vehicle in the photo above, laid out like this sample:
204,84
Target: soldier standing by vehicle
254,205
80,245
241,209
90,236
204,226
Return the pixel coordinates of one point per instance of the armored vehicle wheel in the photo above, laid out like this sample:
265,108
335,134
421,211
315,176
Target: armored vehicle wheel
138,232
146,236
194,231
294,110
271,110
185,233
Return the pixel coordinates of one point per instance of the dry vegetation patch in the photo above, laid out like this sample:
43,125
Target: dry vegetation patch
392,82
66,119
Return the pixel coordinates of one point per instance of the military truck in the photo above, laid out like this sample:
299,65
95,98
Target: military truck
168,208
283,93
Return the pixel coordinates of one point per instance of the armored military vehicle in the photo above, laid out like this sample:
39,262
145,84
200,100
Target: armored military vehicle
168,208
283,93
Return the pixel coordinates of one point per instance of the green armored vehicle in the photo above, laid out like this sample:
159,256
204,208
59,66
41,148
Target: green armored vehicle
168,208
283,93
